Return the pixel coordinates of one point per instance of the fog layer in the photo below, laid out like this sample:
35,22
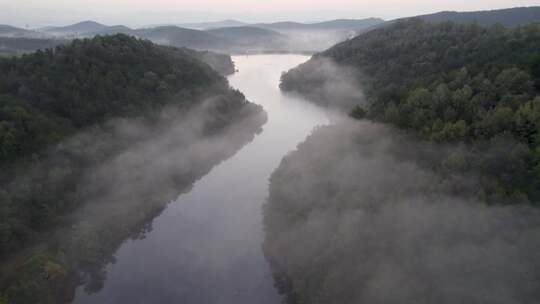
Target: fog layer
326,83
123,173
354,216
206,246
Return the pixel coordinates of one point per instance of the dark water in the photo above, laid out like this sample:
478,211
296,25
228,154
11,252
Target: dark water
206,246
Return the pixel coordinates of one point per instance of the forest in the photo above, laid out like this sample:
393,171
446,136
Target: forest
71,87
449,83
68,115
355,215
430,193
11,46
400,165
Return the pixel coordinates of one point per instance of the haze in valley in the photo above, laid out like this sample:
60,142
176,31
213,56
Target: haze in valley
136,13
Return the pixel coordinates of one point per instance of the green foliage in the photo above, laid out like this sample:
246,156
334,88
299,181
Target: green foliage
450,83
87,81
48,95
16,46
358,112
507,17
55,131
39,273
24,130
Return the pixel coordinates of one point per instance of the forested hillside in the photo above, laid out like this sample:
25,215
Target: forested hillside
18,46
448,83
508,17
15,32
88,81
251,38
431,195
358,214
74,121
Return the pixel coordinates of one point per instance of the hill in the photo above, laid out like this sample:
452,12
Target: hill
387,208
446,82
77,96
111,30
72,120
229,39
508,17
332,25
232,39
75,29
212,25
16,46
316,37
251,37
355,215
15,32
228,35
181,37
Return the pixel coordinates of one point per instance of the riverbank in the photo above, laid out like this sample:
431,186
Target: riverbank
146,164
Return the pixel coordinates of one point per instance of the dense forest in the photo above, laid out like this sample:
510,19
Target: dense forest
68,117
82,84
508,17
438,170
448,83
17,46
357,215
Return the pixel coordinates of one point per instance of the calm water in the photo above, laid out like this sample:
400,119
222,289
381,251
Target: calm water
206,246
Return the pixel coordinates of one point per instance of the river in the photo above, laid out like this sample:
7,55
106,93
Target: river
206,246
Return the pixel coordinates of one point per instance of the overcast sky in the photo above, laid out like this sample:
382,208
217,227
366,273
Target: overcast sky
143,12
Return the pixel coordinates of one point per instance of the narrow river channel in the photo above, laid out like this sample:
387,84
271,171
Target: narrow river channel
205,248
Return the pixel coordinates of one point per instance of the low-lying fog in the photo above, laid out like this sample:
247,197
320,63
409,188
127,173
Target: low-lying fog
206,247
354,218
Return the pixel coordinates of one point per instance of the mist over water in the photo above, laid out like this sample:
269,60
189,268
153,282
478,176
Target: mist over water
206,246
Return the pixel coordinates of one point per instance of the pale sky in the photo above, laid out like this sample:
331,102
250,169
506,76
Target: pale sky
36,13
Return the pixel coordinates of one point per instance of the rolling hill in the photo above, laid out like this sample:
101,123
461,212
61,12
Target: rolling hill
333,25
181,37
251,37
212,25
111,30
316,37
75,29
16,46
11,31
447,139
61,113
508,17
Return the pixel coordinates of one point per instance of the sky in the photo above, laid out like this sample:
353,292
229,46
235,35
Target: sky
36,13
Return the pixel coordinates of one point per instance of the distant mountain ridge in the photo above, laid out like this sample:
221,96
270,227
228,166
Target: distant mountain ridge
338,24
77,28
510,17
234,36
15,32
181,37
227,36
212,25
249,36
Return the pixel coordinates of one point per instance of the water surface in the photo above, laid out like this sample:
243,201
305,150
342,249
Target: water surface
206,246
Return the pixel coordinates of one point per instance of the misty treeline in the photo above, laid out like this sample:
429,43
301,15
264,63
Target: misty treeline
358,215
48,94
96,138
431,195
446,83
10,46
